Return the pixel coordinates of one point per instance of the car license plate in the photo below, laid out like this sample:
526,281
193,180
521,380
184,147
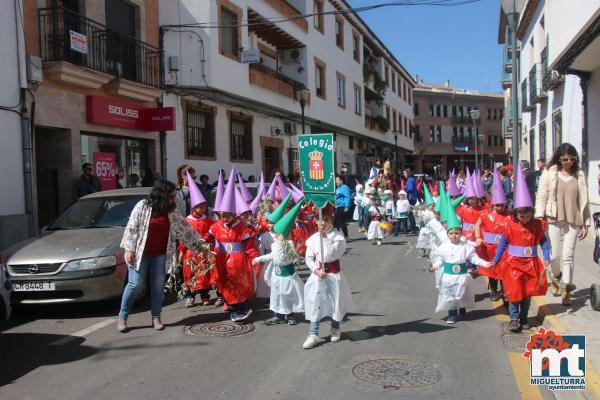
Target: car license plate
33,286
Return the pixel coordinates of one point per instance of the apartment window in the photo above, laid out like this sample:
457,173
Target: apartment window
240,136
489,140
557,128
406,126
409,90
416,109
356,46
409,124
401,124
199,131
495,140
500,112
417,133
454,133
461,130
439,134
339,32
387,114
445,110
357,99
542,141
438,110
394,82
229,31
531,145
404,90
350,143
320,78
387,75
495,113
470,131
431,110
394,121
341,90
489,113
318,20
454,111
431,133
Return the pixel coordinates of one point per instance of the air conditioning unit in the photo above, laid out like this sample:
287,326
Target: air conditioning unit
555,78
289,128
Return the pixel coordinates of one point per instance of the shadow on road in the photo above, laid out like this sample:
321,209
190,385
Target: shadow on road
22,353
373,332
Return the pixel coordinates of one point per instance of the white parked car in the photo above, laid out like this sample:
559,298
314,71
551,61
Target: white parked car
4,294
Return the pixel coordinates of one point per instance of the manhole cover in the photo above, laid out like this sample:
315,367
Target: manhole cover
518,342
397,373
221,328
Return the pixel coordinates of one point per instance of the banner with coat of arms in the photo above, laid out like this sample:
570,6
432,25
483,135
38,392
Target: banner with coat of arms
317,168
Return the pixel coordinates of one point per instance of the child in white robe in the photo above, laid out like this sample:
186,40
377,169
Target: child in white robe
455,283
375,233
327,293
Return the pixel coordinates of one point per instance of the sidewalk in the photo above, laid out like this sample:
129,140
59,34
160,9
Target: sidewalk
579,317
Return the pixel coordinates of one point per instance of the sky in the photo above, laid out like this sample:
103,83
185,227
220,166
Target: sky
459,43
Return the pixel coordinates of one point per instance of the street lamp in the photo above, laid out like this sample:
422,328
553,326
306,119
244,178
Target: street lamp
511,9
475,117
396,151
303,95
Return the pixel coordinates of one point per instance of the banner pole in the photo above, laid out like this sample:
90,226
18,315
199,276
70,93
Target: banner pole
321,240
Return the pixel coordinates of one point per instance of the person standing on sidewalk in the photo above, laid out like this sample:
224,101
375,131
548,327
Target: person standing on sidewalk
87,183
562,199
150,246
412,194
343,198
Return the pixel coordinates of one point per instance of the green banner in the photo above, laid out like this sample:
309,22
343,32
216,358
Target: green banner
317,168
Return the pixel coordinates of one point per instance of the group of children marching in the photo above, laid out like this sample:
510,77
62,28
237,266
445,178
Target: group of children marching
373,208
471,233
257,252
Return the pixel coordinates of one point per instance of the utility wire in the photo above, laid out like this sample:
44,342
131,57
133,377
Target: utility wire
275,20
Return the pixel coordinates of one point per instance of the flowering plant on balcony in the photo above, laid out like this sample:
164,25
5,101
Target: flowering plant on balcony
382,122
379,85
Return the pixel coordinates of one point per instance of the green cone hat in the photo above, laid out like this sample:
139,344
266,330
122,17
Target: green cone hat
452,220
456,202
428,199
278,213
286,223
439,202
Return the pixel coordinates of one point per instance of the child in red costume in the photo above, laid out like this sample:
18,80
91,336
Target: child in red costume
199,282
469,214
235,249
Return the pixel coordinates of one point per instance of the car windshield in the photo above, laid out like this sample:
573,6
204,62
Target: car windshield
97,212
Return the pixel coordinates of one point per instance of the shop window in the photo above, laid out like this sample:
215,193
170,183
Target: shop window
240,136
199,132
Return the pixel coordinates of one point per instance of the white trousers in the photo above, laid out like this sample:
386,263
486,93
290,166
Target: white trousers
563,254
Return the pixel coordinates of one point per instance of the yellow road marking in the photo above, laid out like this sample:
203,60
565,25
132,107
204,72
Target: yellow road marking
520,366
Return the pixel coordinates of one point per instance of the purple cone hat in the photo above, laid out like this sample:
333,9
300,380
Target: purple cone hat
241,205
244,190
498,196
259,196
283,189
272,187
196,196
297,194
522,196
480,186
220,191
227,203
470,188
452,187
261,184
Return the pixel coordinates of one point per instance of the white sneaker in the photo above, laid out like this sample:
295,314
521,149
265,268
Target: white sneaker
310,342
379,243
190,302
336,335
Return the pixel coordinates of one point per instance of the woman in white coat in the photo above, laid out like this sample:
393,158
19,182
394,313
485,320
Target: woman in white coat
327,293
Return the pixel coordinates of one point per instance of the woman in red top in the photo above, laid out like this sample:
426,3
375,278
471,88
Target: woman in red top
489,230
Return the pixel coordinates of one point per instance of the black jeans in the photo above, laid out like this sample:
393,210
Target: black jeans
400,226
339,221
412,222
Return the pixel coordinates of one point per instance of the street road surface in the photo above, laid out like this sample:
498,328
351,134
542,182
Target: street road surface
75,352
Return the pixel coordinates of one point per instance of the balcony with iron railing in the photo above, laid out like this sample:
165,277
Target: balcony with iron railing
267,78
458,140
536,93
68,37
506,79
526,105
461,119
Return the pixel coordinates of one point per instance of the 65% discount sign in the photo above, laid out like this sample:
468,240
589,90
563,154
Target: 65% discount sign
105,165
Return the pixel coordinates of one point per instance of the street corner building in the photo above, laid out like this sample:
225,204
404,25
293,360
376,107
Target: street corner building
92,70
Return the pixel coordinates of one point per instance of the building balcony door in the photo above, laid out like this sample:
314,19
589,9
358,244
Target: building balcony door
272,150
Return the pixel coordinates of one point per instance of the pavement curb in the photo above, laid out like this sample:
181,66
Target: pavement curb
545,317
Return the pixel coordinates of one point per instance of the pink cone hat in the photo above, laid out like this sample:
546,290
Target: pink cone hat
452,187
470,187
220,191
498,196
297,194
480,186
241,206
244,190
261,184
259,196
272,187
283,189
196,196
522,196
227,203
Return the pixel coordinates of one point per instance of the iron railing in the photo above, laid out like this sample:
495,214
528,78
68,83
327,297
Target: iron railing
68,36
462,140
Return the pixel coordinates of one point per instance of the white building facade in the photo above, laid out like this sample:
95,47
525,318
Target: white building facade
559,61
230,111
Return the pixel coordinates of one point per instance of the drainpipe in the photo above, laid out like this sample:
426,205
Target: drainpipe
27,140
584,80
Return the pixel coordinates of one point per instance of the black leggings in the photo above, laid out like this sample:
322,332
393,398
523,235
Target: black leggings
339,221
